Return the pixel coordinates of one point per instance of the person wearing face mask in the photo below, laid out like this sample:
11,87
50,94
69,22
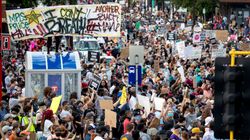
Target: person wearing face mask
3,110
66,114
15,131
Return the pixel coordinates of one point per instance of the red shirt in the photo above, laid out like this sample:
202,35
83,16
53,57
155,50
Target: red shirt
125,123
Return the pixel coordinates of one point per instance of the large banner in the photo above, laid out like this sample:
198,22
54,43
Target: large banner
96,20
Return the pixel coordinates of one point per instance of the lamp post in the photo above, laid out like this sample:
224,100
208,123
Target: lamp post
136,77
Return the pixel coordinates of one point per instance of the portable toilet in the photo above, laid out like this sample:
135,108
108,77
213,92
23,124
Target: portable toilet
61,72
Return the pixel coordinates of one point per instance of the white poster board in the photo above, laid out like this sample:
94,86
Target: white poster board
145,102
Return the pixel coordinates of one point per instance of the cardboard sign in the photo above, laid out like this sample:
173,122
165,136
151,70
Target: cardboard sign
222,35
203,37
245,47
95,82
5,45
196,37
106,104
156,66
110,118
159,102
93,56
67,20
124,53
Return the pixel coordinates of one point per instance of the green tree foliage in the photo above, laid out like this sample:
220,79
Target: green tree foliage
196,6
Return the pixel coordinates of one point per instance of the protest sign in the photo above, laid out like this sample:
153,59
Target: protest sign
93,56
210,33
181,71
68,20
192,52
203,37
95,82
188,29
196,37
159,102
55,103
110,118
106,104
221,35
156,65
170,36
197,29
245,46
180,48
132,102
123,99
218,52
145,102
124,53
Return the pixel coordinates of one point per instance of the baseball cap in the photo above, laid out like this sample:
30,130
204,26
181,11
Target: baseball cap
90,127
6,128
7,116
208,120
41,104
196,130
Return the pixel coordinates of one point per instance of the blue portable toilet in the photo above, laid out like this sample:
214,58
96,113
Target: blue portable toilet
62,72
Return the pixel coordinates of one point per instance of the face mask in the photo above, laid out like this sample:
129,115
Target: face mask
18,130
10,74
106,135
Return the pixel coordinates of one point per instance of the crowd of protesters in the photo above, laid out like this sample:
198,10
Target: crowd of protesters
187,113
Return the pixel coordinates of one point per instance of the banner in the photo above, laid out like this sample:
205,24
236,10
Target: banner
96,20
218,52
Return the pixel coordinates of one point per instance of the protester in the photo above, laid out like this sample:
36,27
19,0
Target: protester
174,99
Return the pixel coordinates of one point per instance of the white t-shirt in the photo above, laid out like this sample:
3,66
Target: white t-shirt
65,113
98,138
46,130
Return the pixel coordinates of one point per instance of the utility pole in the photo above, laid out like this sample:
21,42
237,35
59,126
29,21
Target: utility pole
1,61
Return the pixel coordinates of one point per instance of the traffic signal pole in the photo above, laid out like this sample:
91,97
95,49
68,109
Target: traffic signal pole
233,53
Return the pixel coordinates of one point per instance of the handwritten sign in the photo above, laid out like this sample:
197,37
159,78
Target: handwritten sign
124,53
96,20
110,118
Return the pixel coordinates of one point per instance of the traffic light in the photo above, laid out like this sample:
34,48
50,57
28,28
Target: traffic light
232,98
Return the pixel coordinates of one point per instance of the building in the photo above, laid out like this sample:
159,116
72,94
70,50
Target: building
240,8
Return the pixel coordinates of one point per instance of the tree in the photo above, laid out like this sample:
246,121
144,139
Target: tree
196,6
